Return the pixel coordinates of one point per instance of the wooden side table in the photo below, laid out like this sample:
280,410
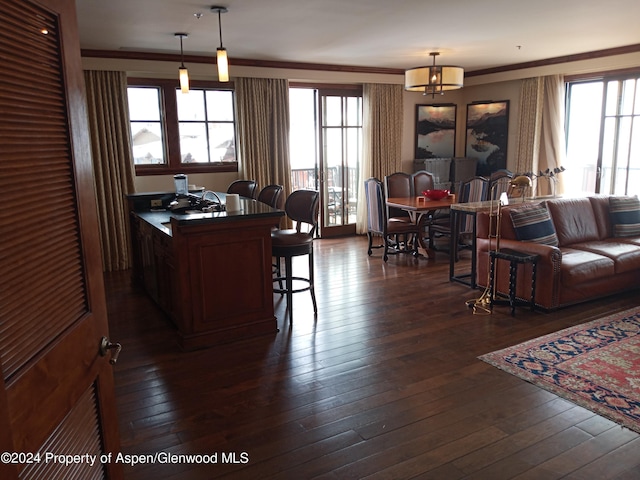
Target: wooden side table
514,258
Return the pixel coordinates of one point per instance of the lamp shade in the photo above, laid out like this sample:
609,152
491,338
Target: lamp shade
223,65
433,79
184,79
521,181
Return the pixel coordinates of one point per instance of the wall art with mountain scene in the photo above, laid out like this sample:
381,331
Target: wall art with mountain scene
435,131
486,139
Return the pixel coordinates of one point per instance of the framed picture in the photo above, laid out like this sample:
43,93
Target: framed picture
486,139
435,131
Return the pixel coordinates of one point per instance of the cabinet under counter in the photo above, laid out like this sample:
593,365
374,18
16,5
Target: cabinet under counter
211,273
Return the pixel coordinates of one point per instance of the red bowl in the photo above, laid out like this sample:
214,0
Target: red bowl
435,194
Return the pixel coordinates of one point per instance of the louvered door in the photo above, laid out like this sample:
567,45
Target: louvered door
56,389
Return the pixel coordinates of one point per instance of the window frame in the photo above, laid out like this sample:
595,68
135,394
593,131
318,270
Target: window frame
170,127
604,79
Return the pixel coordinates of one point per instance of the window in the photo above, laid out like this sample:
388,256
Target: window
603,136
146,126
175,132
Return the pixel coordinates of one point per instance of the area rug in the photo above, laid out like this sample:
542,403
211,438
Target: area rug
595,365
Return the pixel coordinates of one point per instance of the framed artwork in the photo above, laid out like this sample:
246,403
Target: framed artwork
435,131
486,136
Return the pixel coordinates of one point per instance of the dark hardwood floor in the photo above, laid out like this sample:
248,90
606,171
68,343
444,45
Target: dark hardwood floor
385,384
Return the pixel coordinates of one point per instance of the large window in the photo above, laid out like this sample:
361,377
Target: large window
603,136
175,132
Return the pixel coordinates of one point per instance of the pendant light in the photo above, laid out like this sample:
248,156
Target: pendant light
434,79
184,73
221,59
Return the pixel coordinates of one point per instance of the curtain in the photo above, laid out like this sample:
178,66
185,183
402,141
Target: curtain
110,132
529,125
263,131
382,139
541,142
552,147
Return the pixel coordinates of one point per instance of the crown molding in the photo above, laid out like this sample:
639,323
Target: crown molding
609,52
165,57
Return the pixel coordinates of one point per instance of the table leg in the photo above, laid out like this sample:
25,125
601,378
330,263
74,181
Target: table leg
513,275
534,268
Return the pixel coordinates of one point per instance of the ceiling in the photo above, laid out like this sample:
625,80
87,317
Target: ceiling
372,33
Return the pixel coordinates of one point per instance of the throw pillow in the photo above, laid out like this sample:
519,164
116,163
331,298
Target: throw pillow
625,216
534,224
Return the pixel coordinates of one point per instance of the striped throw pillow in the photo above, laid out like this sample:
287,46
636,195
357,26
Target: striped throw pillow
625,216
534,225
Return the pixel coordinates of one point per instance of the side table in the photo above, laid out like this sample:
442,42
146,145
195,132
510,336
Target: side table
514,258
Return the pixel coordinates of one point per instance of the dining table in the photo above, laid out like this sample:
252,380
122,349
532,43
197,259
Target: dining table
417,207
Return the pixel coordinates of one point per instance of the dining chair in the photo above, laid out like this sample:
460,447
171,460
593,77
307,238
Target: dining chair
499,183
244,188
423,180
398,236
398,184
271,195
302,208
475,189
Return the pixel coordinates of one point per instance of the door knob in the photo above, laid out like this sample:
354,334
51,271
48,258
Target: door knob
106,345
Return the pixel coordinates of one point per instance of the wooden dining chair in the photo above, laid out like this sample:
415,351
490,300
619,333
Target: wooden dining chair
475,189
398,236
244,188
398,184
499,183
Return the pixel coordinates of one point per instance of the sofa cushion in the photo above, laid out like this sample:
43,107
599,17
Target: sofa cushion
580,266
600,205
534,224
625,216
625,255
574,220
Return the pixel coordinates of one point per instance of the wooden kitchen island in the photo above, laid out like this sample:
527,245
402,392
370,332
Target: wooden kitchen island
210,272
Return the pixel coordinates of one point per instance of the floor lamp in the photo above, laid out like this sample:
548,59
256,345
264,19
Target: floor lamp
482,305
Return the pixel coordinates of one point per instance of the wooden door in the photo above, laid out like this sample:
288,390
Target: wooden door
56,390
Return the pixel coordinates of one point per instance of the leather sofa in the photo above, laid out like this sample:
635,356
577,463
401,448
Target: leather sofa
589,260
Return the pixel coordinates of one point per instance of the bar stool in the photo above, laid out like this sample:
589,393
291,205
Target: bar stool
244,188
301,207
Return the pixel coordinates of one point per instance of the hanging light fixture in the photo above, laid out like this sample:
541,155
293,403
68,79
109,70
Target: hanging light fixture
433,79
184,73
221,59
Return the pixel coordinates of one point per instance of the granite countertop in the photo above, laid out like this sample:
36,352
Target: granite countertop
161,218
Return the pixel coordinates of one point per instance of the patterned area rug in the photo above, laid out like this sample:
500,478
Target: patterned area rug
595,365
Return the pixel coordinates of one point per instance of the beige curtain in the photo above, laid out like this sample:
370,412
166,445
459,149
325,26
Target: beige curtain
552,145
112,162
541,143
529,125
263,131
382,139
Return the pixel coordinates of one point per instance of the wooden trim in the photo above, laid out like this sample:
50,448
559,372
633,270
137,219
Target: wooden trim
607,74
356,69
609,52
245,62
327,86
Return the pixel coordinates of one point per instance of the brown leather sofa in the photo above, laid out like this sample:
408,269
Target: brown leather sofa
589,262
